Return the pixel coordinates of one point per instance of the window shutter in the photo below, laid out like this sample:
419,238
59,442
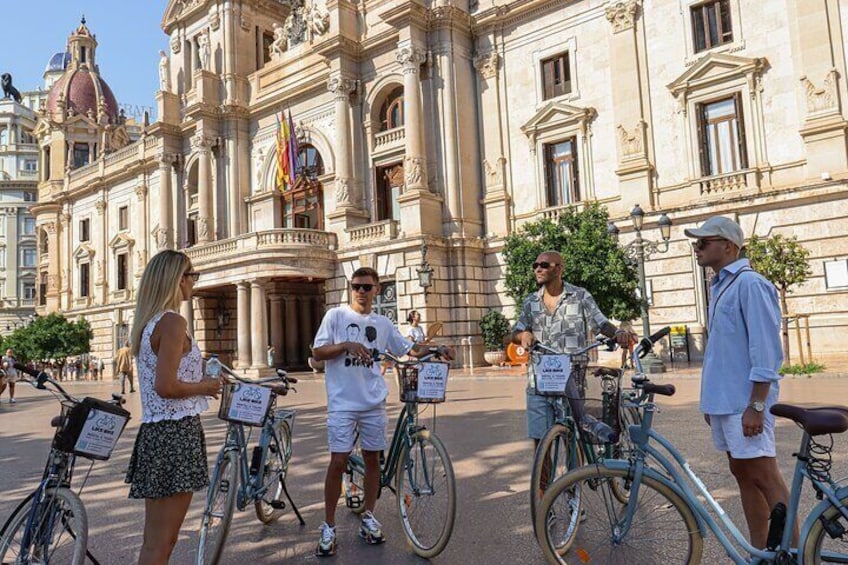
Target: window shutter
740,131
549,184
575,172
698,36
548,78
703,139
566,82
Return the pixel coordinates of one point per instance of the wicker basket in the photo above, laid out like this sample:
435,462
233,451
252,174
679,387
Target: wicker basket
423,382
90,428
246,404
599,398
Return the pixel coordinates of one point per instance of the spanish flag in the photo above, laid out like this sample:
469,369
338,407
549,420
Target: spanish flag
283,162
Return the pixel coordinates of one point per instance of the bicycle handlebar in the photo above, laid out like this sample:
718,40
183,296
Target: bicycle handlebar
609,342
42,378
279,383
434,353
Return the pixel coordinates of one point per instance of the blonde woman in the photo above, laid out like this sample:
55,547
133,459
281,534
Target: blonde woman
168,462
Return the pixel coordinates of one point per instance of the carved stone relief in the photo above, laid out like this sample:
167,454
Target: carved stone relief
824,98
161,235
494,172
278,46
411,58
414,169
203,228
631,144
343,192
622,14
487,64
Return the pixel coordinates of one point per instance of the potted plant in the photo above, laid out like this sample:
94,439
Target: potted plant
495,327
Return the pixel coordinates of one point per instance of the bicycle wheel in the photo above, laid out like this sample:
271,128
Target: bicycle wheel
353,482
276,467
426,494
557,453
819,546
57,534
218,513
629,416
663,528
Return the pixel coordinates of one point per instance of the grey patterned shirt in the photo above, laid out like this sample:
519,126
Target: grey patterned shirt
567,328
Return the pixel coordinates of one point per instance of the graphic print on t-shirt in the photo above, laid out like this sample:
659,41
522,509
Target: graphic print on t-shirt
353,333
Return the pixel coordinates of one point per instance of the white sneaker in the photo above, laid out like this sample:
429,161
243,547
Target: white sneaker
12,401
327,542
370,529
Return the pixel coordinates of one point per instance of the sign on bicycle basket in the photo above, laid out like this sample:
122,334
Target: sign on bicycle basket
552,373
99,434
247,404
432,382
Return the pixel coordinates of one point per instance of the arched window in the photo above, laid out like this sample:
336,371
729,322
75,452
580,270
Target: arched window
4,136
309,162
391,112
27,137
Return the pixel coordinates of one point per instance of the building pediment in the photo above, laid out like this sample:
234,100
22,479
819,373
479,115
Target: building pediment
84,251
121,240
179,10
716,68
557,115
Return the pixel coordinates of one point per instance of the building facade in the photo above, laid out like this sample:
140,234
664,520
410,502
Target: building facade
440,126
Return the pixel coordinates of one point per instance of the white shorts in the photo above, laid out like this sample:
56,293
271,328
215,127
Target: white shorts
10,378
728,436
342,426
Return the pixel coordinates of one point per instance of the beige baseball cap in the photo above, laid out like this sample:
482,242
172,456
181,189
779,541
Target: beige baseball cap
719,226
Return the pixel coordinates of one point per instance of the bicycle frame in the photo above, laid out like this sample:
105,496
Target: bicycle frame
57,472
641,436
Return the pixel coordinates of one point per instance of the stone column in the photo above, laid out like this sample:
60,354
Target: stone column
12,237
165,231
66,284
347,192
141,252
411,57
53,251
277,330
243,324
187,312
234,201
306,324
259,324
101,267
205,218
292,354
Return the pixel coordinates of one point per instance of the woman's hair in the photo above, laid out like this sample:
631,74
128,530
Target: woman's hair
158,290
411,316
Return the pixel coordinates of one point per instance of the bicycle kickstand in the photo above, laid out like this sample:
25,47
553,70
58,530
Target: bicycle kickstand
293,505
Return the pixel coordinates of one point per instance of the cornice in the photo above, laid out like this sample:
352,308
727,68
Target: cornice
335,44
449,17
405,14
513,12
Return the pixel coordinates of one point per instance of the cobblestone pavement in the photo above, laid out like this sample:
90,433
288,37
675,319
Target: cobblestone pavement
482,426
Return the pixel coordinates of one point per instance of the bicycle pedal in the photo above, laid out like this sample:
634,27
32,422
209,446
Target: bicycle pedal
354,501
225,486
277,505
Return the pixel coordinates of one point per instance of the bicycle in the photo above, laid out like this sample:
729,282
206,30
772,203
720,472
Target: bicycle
666,519
569,443
239,479
417,461
50,525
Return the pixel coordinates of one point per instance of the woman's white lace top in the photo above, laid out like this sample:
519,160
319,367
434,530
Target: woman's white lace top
154,408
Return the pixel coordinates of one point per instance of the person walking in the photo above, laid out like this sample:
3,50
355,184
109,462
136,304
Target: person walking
10,376
347,340
416,332
740,378
124,367
168,463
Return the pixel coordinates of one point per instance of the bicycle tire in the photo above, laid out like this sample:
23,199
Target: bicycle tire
414,466
77,528
277,463
629,416
562,449
215,524
656,508
813,543
353,483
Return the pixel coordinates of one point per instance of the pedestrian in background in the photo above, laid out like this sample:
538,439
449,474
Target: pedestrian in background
124,367
168,463
10,376
416,332
740,379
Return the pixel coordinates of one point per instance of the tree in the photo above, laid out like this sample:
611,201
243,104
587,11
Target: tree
784,262
50,337
592,259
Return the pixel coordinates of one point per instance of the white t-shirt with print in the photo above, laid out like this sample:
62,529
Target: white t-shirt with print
352,385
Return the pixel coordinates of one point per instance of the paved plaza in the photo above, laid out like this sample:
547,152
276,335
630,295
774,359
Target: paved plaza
482,426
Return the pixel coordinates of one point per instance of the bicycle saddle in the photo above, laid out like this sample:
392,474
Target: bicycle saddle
815,421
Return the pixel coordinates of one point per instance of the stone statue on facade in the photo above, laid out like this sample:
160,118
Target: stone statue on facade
278,47
318,19
205,49
164,72
296,24
9,91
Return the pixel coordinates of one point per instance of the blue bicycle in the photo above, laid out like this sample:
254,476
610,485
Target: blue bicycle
665,518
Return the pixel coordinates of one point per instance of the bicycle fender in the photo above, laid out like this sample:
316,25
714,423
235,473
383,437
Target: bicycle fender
814,515
649,472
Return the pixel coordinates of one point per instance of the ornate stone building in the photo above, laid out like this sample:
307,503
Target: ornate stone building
446,123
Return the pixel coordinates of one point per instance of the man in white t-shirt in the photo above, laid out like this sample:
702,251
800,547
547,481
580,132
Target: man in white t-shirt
347,341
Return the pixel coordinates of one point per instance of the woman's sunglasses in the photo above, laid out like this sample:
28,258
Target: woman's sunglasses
704,241
363,287
544,264
195,276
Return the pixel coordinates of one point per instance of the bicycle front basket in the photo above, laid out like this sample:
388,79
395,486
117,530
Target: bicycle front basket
423,382
599,401
91,429
245,404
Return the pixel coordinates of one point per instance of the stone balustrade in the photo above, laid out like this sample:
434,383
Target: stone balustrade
728,182
272,240
378,231
393,136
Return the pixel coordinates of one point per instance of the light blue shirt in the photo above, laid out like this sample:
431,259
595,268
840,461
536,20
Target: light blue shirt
743,344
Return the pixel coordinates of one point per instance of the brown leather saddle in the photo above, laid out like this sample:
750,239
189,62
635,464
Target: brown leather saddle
815,421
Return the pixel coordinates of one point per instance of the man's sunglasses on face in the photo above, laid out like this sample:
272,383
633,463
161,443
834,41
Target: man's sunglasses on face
544,264
363,287
704,241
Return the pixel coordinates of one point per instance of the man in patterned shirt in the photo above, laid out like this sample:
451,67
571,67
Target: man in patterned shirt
559,315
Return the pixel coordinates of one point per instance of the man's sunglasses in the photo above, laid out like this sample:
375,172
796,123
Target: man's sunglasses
195,276
363,287
704,241
544,264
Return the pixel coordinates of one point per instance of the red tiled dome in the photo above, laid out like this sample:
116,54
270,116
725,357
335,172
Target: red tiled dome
82,93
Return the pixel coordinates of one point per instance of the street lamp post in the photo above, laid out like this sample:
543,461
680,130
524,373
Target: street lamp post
639,250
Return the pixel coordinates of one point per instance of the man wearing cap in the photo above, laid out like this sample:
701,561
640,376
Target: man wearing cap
739,382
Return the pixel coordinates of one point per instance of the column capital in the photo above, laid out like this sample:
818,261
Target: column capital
100,206
243,285
50,227
411,57
487,64
166,160
201,142
342,87
622,14
141,191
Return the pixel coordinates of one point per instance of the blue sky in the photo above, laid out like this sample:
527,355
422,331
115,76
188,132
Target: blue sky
128,32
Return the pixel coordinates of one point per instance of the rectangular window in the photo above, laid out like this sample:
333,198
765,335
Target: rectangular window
561,173
267,40
85,279
556,76
389,188
123,269
29,226
29,291
84,232
711,24
31,165
42,290
722,136
81,155
123,217
28,257
29,196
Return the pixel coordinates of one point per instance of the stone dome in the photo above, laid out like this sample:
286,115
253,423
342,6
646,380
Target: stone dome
58,62
82,90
